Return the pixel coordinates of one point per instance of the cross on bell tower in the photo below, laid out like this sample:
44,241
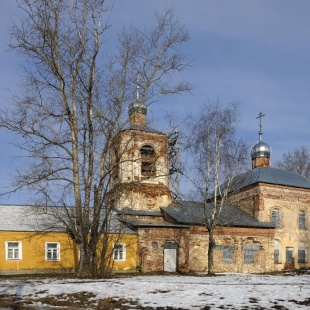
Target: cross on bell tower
137,110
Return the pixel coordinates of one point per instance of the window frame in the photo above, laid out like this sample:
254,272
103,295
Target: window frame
57,251
227,253
276,256
302,253
302,259
249,256
19,250
302,220
249,251
276,221
119,255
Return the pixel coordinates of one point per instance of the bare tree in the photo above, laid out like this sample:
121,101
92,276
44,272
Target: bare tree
72,105
297,161
216,158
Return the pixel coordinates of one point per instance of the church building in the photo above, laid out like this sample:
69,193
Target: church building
263,227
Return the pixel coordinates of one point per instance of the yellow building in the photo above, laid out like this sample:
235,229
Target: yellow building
27,245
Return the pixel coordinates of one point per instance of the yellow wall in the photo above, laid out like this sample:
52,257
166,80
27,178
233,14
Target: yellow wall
33,253
131,242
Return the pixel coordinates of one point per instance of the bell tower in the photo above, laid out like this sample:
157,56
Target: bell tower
139,156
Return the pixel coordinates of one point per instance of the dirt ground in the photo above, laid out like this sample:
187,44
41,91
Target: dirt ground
72,302
85,301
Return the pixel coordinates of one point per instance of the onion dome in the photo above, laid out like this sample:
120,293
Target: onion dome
260,149
137,107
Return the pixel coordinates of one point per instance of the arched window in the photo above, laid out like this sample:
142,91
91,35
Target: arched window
275,218
148,161
115,168
302,220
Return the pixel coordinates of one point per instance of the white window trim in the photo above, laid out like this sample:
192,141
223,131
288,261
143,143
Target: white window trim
124,252
20,250
58,252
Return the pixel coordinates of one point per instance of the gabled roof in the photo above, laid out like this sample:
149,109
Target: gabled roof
191,212
26,218
41,219
270,176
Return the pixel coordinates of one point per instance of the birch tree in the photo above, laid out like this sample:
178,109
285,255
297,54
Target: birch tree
217,156
73,101
297,161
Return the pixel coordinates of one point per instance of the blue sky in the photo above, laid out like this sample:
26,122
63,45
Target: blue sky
256,52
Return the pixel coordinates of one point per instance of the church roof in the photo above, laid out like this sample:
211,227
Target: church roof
191,212
270,176
142,128
152,223
128,211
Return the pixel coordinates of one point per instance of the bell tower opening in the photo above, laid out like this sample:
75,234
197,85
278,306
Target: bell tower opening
148,161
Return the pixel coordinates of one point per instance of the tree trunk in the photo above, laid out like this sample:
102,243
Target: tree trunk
83,270
210,253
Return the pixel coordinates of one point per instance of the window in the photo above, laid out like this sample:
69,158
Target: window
119,252
277,252
301,256
249,256
115,168
13,250
275,218
302,220
301,253
52,251
249,252
227,253
148,161
276,256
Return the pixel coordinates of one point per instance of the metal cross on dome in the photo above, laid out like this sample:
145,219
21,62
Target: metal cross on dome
260,116
138,87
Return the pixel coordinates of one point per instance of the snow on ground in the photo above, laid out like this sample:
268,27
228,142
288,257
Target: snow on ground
225,291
